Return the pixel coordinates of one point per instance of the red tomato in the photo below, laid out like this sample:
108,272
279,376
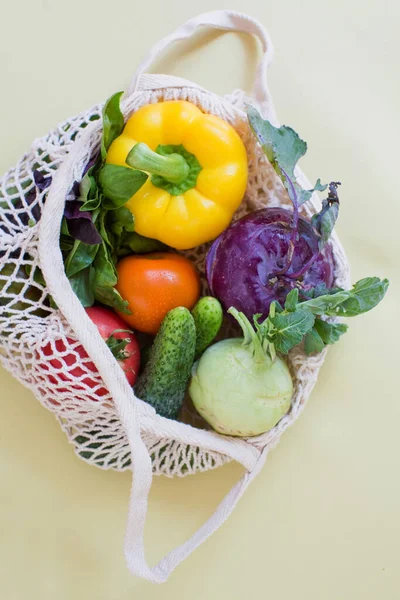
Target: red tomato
63,358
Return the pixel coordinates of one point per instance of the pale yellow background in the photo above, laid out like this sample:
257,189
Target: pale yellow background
322,520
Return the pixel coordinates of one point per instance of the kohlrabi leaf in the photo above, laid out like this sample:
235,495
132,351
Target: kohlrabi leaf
363,296
282,146
329,332
287,327
319,290
325,220
322,334
292,300
305,195
290,328
313,342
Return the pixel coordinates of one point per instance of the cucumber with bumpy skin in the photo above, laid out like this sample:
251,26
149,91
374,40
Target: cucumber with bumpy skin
164,379
208,317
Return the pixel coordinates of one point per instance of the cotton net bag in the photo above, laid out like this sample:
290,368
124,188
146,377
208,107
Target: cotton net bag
38,339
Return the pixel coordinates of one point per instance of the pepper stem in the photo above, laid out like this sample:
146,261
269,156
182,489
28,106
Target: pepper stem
173,167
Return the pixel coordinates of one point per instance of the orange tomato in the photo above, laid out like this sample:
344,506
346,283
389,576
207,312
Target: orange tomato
153,284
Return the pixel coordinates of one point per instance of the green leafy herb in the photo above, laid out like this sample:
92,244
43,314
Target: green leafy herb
113,122
141,245
104,281
92,198
119,220
103,192
110,297
66,243
82,284
104,230
80,257
119,183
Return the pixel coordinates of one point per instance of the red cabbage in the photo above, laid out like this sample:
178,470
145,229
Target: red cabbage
247,264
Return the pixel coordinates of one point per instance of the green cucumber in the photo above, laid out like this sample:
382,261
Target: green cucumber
207,315
166,374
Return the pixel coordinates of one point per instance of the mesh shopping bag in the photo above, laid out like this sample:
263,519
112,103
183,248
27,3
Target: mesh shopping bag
43,326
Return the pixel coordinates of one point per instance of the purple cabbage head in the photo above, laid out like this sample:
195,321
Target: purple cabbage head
254,261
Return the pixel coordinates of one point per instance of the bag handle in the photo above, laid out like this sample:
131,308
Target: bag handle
134,544
133,412
220,19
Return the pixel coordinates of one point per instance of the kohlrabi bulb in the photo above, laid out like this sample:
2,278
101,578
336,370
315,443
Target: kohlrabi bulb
238,389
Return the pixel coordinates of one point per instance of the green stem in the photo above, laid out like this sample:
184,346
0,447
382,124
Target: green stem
173,168
251,338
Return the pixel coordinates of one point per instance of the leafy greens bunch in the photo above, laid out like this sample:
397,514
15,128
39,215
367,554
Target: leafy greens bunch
97,229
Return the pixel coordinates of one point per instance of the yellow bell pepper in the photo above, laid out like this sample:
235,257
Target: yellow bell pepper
198,172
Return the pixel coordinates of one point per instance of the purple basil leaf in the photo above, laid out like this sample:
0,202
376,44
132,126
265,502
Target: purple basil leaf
29,198
35,210
80,224
72,210
84,230
41,182
74,192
